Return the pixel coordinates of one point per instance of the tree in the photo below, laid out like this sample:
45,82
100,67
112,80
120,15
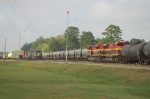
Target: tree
103,40
136,41
73,41
86,39
26,47
1,52
57,43
43,47
37,43
113,33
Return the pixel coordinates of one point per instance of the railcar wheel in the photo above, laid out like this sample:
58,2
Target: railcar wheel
124,61
140,61
116,59
147,62
97,59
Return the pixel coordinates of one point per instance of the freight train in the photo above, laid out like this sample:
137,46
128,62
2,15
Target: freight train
118,52
122,52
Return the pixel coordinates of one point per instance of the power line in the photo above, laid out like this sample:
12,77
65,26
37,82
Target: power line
11,22
21,18
26,17
23,37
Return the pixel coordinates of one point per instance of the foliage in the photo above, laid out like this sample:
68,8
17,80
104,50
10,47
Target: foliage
57,43
86,39
136,41
43,47
26,47
103,40
113,33
73,41
36,45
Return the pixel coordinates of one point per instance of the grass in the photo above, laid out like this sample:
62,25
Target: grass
44,80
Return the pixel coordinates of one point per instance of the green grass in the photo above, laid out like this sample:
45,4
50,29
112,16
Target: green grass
43,80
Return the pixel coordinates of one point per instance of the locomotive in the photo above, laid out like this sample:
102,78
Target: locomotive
37,54
105,52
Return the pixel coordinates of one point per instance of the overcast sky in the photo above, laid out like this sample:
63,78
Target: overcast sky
48,18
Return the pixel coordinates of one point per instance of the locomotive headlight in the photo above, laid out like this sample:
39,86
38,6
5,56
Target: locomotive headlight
38,54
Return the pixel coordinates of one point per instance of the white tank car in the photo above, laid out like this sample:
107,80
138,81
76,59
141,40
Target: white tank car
10,55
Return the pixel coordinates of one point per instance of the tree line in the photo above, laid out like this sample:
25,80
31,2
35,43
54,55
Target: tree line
75,40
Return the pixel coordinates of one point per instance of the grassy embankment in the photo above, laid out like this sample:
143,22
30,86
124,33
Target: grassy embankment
38,80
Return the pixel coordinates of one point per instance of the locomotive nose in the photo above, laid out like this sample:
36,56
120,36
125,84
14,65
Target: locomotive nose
39,54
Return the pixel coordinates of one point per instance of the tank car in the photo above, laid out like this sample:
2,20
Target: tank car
43,55
57,55
125,53
133,53
54,55
84,54
10,55
146,52
62,55
47,56
65,54
71,55
78,54
51,55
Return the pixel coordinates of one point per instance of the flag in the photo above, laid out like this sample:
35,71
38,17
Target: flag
67,12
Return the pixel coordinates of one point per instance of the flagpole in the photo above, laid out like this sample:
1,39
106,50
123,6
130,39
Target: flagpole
67,39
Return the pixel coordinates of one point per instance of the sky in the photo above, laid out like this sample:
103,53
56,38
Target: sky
47,18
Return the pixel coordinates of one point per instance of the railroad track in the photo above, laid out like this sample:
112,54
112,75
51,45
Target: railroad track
118,65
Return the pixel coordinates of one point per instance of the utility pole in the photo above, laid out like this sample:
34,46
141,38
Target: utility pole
5,49
19,47
19,44
67,39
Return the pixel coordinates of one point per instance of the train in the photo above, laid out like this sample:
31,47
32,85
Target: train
118,52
